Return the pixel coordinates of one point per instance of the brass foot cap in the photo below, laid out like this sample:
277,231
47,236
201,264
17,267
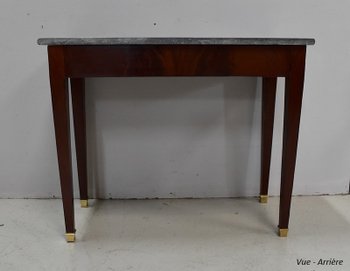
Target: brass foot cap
84,203
283,232
70,237
263,198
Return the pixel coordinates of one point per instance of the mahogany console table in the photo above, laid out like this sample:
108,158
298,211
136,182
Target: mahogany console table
75,59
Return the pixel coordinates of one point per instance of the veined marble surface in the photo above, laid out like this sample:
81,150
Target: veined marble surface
175,41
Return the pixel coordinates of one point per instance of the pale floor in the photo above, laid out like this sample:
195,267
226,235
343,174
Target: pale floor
176,234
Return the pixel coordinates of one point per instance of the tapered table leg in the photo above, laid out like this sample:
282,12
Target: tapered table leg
268,114
60,105
292,110
78,103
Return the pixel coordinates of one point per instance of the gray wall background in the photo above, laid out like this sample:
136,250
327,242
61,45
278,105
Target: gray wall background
173,137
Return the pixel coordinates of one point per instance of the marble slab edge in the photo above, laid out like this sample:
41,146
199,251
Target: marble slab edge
176,41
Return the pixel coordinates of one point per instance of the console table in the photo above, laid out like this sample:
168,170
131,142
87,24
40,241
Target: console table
269,58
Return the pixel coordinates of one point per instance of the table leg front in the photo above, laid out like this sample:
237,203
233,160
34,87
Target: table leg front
60,106
267,120
78,104
292,111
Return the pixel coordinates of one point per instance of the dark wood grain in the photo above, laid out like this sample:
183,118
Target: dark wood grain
267,120
78,104
180,60
60,105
